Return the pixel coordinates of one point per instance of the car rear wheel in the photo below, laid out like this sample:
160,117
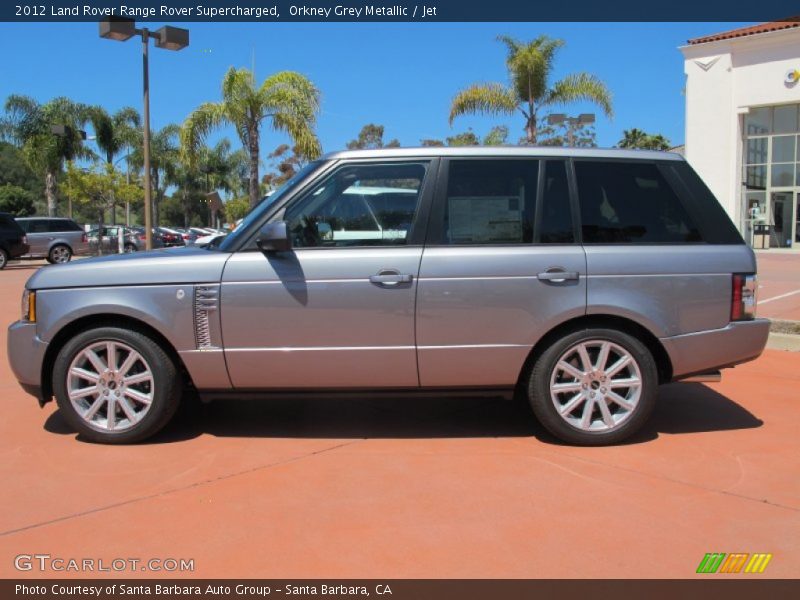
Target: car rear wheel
130,248
594,387
59,254
3,259
116,385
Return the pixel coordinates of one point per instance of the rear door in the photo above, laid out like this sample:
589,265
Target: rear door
656,252
39,236
337,310
501,267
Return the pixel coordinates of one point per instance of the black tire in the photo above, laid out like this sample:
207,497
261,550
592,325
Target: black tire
167,385
3,259
59,254
128,248
630,421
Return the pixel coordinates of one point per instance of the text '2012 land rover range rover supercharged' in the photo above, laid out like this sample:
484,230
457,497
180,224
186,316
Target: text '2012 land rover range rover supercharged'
582,279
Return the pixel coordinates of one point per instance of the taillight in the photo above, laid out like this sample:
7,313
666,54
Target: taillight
84,239
743,296
141,237
24,239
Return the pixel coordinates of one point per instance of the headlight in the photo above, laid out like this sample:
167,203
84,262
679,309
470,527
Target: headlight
29,306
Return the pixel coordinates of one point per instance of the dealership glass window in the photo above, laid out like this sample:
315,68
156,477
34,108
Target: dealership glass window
782,175
783,148
758,121
756,150
755,177
784,119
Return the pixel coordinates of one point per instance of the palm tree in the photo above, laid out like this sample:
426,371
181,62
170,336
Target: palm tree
530,66
221,167
115,133
288,101
636,138
27,123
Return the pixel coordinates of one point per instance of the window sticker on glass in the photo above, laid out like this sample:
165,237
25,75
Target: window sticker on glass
482,219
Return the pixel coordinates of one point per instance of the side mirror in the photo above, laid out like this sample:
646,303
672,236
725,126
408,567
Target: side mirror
274,237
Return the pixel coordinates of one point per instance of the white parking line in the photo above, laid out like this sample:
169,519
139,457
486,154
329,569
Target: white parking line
786,295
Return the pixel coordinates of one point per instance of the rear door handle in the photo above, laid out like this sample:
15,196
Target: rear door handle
558,276
390,278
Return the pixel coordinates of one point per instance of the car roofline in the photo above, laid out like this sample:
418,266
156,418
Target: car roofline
504,151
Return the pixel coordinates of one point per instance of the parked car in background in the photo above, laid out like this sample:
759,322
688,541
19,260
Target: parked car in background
580,279
57,239
188,235
212,239
108,241
13,242
170,237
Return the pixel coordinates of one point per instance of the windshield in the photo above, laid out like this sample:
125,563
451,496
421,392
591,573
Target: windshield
262,207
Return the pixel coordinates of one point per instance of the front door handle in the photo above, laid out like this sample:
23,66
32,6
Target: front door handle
390,277
558,276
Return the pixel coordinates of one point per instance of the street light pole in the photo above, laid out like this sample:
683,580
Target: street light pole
148,207
170,38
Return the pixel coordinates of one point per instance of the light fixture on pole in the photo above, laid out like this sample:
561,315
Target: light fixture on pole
169,38
572,123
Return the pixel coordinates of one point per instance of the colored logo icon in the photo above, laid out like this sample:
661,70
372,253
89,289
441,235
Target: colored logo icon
741,562
792,76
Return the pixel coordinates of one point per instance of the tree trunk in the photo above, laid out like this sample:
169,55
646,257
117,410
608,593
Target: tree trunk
255,194
530,130
50,193
186,215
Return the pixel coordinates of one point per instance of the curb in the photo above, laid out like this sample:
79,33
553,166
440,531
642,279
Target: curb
783,341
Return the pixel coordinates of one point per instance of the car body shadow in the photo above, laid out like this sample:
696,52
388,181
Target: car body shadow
682,408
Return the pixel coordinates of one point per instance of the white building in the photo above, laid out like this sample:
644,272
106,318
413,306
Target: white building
742,125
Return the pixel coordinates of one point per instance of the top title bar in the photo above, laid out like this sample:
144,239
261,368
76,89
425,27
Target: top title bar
433,10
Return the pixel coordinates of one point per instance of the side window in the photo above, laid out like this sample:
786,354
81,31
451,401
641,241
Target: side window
490,201
555,220
39,226
359,205
630,202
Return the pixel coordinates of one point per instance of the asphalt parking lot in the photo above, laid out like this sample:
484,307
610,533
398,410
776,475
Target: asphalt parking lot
422,488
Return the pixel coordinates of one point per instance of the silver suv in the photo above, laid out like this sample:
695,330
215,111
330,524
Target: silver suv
581,279
54,238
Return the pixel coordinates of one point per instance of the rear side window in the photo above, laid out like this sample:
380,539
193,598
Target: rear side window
63,225
490,201
630,203
715,224
38,226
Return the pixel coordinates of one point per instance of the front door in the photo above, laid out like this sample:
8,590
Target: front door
337,311
501,267
783,219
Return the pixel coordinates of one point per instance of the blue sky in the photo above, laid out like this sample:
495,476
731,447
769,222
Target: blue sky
400,75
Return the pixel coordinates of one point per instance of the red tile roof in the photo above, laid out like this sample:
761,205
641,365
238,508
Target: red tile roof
789,23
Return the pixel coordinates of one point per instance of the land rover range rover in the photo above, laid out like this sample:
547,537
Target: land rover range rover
582,279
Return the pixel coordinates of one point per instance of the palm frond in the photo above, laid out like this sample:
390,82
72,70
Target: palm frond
197,126
581,87
487,98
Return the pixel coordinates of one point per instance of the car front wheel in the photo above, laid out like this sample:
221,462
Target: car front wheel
594,387
3,259
115,385
59,254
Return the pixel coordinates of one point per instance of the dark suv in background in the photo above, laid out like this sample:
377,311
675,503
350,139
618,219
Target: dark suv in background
56,239
13,242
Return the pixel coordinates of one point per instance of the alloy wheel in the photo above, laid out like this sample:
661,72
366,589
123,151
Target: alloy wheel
60,254
110,386
596,385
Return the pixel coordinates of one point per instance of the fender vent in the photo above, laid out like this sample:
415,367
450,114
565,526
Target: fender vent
205,301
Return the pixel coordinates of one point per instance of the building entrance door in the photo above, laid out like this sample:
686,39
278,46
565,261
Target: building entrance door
783,221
